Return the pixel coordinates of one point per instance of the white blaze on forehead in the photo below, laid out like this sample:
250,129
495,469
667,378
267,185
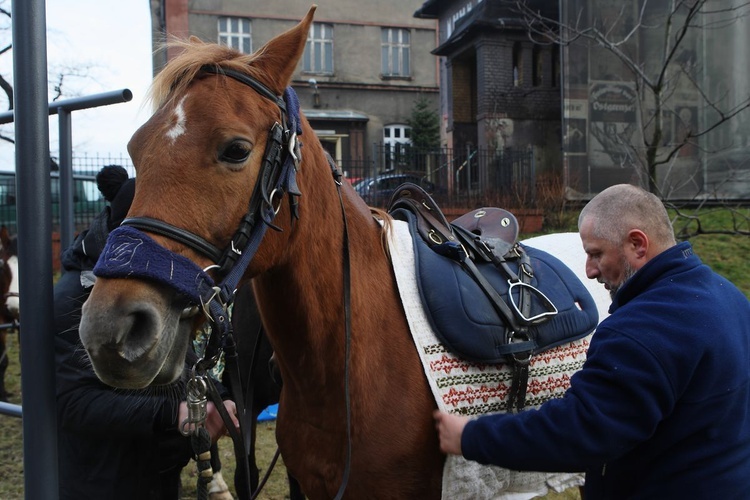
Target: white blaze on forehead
179,126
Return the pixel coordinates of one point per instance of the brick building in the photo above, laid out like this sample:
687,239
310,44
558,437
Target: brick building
499,90
602,92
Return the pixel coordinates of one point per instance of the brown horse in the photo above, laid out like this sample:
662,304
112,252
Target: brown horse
206,143
355,407
9,308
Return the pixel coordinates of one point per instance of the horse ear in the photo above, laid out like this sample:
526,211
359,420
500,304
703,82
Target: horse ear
279,57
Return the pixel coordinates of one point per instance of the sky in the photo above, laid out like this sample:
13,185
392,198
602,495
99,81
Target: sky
107,43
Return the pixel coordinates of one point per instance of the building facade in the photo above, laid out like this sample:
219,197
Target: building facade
365,64
650,92
500,96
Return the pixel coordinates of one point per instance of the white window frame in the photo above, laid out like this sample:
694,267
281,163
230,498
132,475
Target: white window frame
396,139
318,57
236,32
395,50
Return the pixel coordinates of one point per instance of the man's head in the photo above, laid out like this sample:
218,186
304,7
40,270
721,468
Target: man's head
622,228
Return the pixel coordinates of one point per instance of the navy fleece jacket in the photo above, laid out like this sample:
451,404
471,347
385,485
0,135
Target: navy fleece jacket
661,408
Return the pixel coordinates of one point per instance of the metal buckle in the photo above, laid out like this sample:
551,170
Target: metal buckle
197,388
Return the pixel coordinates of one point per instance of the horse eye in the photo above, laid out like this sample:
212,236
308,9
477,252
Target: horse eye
236,152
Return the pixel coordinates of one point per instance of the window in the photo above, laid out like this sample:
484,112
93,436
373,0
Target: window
395,48
235,32
537,68
517,65
396,142
318,56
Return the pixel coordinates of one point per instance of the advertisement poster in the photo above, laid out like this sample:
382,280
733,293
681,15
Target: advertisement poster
613,119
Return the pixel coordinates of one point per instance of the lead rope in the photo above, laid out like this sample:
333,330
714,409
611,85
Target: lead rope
348,327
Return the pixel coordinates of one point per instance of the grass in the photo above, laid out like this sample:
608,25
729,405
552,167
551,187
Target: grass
726,254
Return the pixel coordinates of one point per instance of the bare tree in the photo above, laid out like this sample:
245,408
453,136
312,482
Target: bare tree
654,46
59,75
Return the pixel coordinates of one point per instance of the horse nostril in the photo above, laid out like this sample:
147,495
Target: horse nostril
139,331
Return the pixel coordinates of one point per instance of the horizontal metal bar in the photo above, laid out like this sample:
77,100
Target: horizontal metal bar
11,409
78,103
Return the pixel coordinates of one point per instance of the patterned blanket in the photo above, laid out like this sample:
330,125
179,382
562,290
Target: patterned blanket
473,389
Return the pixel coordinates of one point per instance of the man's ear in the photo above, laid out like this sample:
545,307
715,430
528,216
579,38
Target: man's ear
637,244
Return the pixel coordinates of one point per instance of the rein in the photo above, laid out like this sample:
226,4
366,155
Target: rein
337,175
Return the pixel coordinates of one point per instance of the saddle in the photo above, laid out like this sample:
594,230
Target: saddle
489,298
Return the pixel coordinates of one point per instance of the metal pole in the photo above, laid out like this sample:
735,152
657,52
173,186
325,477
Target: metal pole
34,217
67,223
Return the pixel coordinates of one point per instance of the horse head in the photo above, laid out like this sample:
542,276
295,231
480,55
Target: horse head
212,165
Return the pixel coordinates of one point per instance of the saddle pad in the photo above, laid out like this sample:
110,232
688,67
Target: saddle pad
465,320
473,389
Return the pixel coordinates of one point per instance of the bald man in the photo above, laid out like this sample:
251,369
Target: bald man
661,408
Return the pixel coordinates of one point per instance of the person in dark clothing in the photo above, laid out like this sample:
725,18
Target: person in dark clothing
661,408
112,443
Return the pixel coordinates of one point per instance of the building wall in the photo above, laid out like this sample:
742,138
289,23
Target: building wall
356,85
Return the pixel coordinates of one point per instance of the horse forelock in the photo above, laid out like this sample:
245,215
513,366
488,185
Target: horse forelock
177,75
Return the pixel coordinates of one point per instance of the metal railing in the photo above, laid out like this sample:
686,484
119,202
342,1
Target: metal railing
460,176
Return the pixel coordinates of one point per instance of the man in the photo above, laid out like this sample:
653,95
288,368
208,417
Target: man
112,443
661,408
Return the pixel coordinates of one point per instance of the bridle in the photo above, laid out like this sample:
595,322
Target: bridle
277,176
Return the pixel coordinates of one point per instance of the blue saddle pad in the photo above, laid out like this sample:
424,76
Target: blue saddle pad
465,320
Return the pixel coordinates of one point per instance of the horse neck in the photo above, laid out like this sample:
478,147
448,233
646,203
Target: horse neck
302,298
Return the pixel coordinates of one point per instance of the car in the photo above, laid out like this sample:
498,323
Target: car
377,191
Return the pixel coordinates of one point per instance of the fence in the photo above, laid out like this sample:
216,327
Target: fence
455,177
87,200
460,176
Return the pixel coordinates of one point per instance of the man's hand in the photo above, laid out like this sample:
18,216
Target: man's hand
214,424
450,427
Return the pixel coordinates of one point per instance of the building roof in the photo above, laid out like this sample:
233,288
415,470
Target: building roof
484,17
428,10
432,9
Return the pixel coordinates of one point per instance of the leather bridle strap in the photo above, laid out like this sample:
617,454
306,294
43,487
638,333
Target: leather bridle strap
249,81
177,234
337,176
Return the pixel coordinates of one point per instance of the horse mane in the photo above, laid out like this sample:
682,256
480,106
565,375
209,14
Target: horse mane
175,77
386,221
